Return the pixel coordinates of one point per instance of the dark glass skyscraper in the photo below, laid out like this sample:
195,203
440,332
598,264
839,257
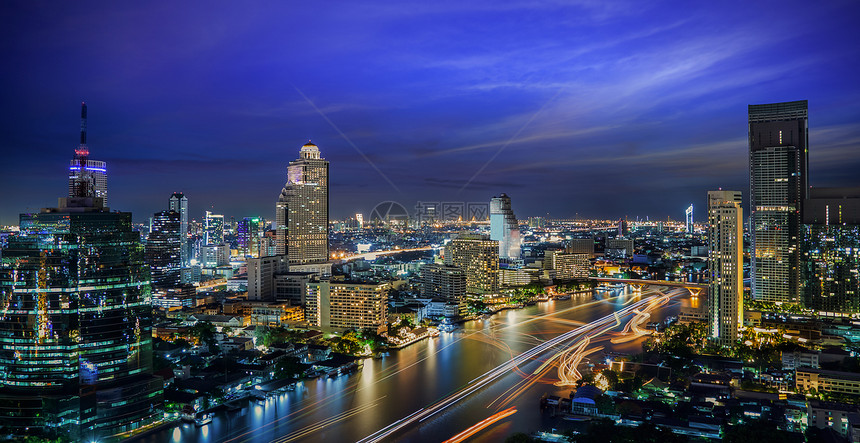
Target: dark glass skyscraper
778,143
75,325
163,249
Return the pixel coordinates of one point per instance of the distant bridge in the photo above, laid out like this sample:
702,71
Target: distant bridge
694,288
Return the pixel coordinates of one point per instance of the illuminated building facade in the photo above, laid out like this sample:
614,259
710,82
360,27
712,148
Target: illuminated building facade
504,227
570,266
250,237
163,248
443,282
478,257
341,304
75,325
87,177
301,214
725,266
778,143
831,251
179,203
213,228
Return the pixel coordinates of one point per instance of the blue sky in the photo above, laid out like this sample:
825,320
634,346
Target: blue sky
602,109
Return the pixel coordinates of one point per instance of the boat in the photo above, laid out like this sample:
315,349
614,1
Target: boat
188,414
204,419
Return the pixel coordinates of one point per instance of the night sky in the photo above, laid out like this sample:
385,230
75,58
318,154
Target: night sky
601,109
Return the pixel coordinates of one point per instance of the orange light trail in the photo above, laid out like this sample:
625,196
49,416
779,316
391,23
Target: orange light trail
479,426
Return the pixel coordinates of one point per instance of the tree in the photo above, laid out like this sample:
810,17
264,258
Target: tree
289,367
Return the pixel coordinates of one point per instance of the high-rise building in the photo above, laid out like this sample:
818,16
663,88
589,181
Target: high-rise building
75,325
444,282
688,216
580,246
179,203
87,177
831,251
213,226
725,265
778,143
163,248
301,214
619,247
343,304
570,266
261,276
478,257
249,233
504,227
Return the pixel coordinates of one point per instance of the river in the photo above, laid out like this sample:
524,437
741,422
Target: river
387,389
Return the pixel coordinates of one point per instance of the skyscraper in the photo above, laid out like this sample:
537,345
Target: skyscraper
85,175
75,325
478,257
213,228
179,203
725,265
249,234
301,214
778,143
688,216
504,227
163,249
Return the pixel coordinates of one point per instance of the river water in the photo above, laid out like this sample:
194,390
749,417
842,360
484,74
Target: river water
387,389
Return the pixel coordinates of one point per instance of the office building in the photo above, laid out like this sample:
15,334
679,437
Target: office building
504,227
213,229
213,256
292,287
619,247
830,272
261,276
444,282
343,304
688,217
478,257
87,177
301,214
725,266
778,153
249,232
75,328
179,203
163,249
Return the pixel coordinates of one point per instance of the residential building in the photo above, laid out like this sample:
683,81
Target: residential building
725,266
444,282
478,256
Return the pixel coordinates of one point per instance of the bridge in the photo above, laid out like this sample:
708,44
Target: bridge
694,288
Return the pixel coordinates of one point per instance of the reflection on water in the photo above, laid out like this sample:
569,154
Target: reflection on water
348,408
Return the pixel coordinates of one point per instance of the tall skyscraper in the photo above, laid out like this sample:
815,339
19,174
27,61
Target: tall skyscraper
478,257
249,233
163,248
85,175
779,183
301,214
179,203
504,227
75,325
213,228
725,265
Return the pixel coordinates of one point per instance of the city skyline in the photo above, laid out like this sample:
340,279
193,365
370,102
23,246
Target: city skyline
417,106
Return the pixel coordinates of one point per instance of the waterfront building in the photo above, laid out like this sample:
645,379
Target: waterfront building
179,203
478,257
301,213
443,282
344,304
725,266
261,276
779,180
75,325
504,227
570,266
163,246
